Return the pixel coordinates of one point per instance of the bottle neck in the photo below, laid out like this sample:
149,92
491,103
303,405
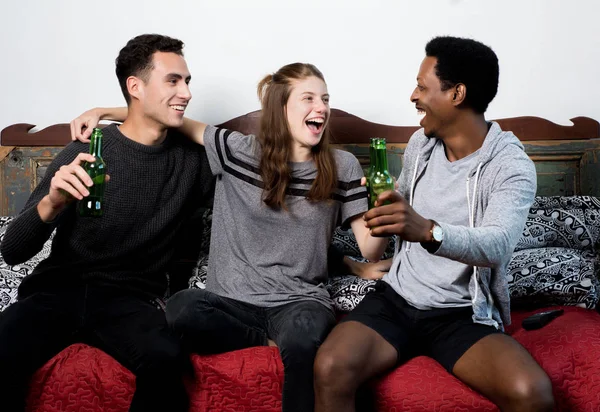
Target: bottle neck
372,157
381,163
96,145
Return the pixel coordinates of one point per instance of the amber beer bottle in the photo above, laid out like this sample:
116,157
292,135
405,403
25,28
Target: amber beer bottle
379,179
93,205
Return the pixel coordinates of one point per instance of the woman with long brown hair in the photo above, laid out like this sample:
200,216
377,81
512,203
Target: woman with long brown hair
279,196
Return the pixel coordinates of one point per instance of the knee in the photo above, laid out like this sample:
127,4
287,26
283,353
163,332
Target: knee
185,307
334,369
532,393
299,340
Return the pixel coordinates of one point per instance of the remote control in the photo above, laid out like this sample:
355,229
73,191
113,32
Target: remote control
538,320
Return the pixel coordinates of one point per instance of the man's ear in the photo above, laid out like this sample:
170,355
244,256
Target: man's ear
460,94
135,87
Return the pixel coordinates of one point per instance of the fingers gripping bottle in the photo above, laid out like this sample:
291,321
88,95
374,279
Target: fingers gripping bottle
379,179
93,205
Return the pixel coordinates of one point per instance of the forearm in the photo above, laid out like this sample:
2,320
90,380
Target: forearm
193,130
117,114
47,211
371,248
480,246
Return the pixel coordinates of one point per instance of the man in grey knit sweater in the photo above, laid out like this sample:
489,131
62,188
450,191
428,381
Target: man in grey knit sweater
464,193
105,278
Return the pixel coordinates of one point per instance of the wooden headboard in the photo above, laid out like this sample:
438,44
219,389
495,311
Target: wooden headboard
567,158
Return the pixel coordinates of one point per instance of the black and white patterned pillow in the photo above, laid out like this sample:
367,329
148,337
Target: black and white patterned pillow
347,290
561,221
12,275
553,276
557,258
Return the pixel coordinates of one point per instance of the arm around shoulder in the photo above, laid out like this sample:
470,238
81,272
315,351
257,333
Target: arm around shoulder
193,129
82,125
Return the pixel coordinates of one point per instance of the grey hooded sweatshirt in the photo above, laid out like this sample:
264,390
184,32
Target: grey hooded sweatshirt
500,191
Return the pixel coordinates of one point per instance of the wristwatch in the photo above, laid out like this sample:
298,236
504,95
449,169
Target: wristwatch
437,235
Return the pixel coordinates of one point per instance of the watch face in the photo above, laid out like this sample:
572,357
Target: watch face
438,233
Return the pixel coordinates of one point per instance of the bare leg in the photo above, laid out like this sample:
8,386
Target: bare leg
351,354
502,370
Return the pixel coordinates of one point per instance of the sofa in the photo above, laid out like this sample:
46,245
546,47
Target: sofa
556,264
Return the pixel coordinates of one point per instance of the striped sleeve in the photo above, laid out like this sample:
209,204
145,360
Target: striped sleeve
211,141
233,153
350,193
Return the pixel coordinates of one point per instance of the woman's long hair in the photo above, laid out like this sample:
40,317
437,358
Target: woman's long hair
276,140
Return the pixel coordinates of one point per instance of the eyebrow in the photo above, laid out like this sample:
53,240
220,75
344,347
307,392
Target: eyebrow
177,76
314,94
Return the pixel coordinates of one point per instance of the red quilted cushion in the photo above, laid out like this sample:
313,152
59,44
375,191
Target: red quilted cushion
81,379
423,385
248,379
568,349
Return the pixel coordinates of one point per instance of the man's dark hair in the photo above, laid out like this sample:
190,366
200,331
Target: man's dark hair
468,62
135,59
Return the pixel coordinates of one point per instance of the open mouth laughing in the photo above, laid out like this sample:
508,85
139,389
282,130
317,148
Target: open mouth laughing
315,124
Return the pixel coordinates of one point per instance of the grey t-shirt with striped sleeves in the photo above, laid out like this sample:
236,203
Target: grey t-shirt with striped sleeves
272,257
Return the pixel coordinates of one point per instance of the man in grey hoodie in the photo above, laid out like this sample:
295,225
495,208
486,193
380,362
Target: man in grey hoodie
464,192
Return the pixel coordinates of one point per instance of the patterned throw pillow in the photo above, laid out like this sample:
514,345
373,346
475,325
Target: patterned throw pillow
347,290
557,260
11,276
553,276
561,221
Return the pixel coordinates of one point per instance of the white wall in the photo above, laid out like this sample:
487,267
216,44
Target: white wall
58,55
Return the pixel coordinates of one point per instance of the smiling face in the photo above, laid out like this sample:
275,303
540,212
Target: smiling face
436,105
164,96
307,112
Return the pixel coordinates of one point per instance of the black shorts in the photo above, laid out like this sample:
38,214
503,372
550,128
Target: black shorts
442,334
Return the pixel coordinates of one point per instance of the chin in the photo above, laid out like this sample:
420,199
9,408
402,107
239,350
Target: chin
428,133
174,124
315,140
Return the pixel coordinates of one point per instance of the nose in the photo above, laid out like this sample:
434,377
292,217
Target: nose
184,92
415,95
320,106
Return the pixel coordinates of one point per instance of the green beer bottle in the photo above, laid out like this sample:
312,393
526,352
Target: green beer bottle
379,178
92,205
